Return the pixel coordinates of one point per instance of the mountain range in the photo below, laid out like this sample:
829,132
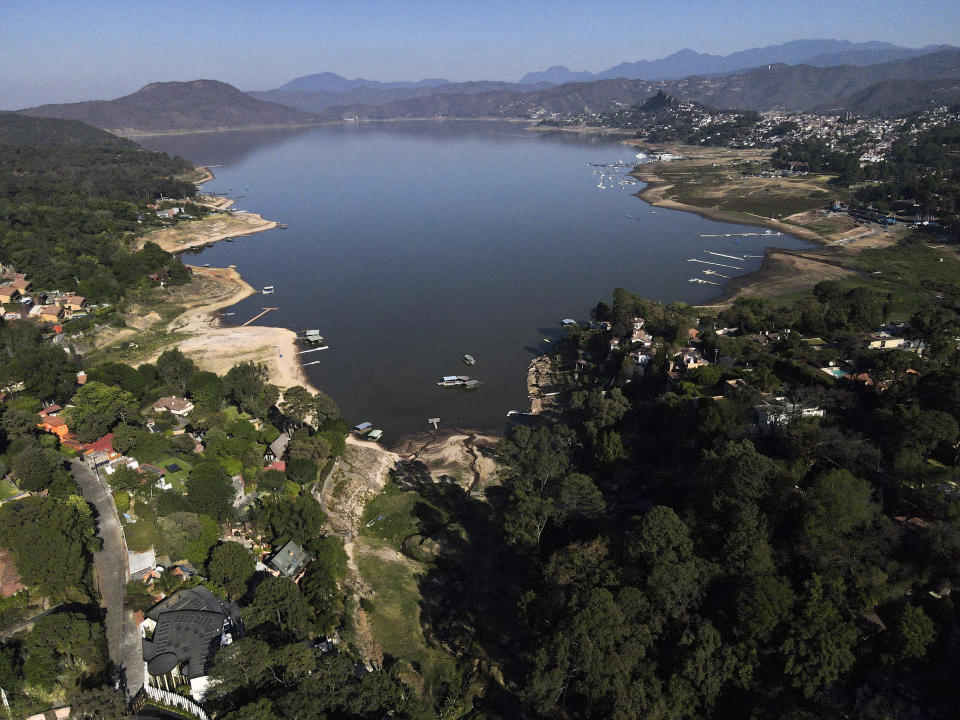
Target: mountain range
684,63
903,85
887,88
177,106
319,100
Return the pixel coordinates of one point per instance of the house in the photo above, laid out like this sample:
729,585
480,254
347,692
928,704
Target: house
690,358
779,412
637,333
9,577
122,461
54,424
72,303
290,560
278,465
173,405
21,284
9,294
48,313
81,377
279,446
141,563
50,411
182,633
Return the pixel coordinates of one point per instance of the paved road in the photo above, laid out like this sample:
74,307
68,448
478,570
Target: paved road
123,637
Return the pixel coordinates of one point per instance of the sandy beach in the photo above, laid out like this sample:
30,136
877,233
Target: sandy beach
197,233
216,347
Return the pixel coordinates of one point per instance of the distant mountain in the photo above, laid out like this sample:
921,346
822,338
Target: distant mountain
177,106
904,86
804,87
316,102
331,82
570,98
686,63
23,130
872,57
556,75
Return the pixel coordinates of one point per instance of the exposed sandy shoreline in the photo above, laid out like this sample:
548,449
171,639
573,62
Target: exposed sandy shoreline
133,134
197,233
217,348
211,344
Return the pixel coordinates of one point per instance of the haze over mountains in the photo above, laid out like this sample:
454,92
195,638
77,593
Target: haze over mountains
684,63
925,77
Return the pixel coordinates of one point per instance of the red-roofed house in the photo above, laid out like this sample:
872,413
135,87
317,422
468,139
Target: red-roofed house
9,577
279,466
54,424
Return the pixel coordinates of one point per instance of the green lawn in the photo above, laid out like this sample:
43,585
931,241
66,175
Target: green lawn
389,515
177,479
394,611
8,489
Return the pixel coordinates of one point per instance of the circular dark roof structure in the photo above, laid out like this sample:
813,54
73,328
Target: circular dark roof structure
162,663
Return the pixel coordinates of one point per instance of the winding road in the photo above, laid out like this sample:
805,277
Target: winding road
123,638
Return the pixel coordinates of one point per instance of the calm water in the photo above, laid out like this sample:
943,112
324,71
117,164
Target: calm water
410,244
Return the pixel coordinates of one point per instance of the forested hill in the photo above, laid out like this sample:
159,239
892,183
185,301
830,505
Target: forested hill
71,199
177,107
24,130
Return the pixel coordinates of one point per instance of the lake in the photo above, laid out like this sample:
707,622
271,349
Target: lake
412,243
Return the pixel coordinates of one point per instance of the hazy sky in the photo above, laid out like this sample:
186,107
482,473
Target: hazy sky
63,51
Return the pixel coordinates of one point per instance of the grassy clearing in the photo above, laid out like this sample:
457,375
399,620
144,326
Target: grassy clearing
394,610
178,478
389,515
8,489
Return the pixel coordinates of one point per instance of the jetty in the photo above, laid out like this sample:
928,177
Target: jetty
316,349
259,315
707,262
768,233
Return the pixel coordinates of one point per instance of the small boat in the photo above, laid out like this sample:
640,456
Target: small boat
458,381
282,226
546,340
363,428
374,435
469,360
267,290
228,239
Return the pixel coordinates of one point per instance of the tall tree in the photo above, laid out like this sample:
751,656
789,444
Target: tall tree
231,566
819,646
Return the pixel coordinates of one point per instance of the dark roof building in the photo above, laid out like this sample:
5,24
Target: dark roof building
290,560
187,630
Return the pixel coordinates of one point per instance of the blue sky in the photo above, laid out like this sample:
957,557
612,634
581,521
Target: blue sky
62,51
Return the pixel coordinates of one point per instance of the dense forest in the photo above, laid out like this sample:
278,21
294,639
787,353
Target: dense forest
71,199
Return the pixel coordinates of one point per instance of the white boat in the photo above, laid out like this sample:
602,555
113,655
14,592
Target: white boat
267,290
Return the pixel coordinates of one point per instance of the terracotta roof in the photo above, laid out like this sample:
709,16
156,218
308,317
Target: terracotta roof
104,444
9,577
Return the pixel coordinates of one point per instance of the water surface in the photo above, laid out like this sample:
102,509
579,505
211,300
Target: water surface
412,243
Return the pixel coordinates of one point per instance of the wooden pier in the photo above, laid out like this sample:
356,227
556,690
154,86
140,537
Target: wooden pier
259,315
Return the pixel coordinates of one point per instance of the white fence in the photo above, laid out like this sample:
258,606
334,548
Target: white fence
173,700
